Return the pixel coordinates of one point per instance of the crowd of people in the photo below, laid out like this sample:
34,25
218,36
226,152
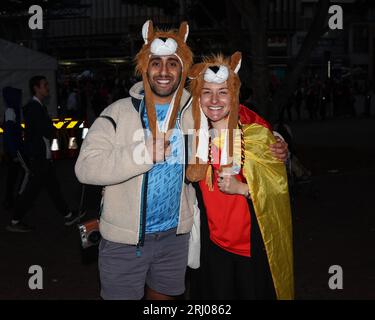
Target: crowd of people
315,99
86,97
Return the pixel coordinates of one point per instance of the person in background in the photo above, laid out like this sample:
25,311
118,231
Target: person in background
38,134
12,140
72,102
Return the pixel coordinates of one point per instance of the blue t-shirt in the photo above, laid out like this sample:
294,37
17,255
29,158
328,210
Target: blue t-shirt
165,182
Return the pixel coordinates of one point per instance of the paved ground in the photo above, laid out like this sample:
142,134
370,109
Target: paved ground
334,216
56,248
334,224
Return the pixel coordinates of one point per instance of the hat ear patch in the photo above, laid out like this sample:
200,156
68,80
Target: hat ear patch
238,66
183,31
146,30
235,61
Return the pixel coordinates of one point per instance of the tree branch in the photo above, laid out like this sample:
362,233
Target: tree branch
247,9
316,30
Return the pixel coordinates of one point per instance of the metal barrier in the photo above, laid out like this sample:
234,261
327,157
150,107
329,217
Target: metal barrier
67,138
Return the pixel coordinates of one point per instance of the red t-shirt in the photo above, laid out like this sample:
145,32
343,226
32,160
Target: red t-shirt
228,216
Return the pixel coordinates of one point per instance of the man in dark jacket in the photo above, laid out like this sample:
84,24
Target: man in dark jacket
12,143
38,134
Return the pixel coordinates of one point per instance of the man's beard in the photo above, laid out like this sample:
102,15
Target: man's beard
154,89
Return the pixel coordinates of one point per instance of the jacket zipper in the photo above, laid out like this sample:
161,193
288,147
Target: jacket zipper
142,213
142,223
185,156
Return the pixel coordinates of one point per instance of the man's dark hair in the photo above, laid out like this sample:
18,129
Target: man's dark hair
35,81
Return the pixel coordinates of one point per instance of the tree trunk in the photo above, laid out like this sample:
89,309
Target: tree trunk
238,42
259,47
288,85
233,21
254,13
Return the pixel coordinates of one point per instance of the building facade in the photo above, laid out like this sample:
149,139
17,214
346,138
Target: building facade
108,31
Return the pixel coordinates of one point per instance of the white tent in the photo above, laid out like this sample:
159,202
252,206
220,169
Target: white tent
18,64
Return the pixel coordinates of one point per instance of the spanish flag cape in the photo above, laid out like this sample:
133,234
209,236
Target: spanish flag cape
268,185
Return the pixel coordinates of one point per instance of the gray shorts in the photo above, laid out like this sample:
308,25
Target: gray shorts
161,265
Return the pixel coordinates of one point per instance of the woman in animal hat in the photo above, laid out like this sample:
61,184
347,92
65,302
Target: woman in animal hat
246,227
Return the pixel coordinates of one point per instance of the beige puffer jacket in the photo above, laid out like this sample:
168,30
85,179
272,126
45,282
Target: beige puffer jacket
107,158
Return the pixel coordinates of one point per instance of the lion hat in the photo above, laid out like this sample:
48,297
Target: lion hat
214,69
163,43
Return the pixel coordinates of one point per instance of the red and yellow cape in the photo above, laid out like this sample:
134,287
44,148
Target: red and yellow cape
268,185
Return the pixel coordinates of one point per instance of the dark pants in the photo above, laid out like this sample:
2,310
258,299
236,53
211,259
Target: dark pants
13,171
43,174
224,275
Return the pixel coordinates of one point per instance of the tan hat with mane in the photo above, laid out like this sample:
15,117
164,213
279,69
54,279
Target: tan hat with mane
163,43
214,69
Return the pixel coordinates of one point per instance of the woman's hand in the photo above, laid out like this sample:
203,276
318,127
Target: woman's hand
228,184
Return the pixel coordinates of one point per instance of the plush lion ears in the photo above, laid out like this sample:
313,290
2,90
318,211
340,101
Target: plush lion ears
147,31
196,70
235,61
183,32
